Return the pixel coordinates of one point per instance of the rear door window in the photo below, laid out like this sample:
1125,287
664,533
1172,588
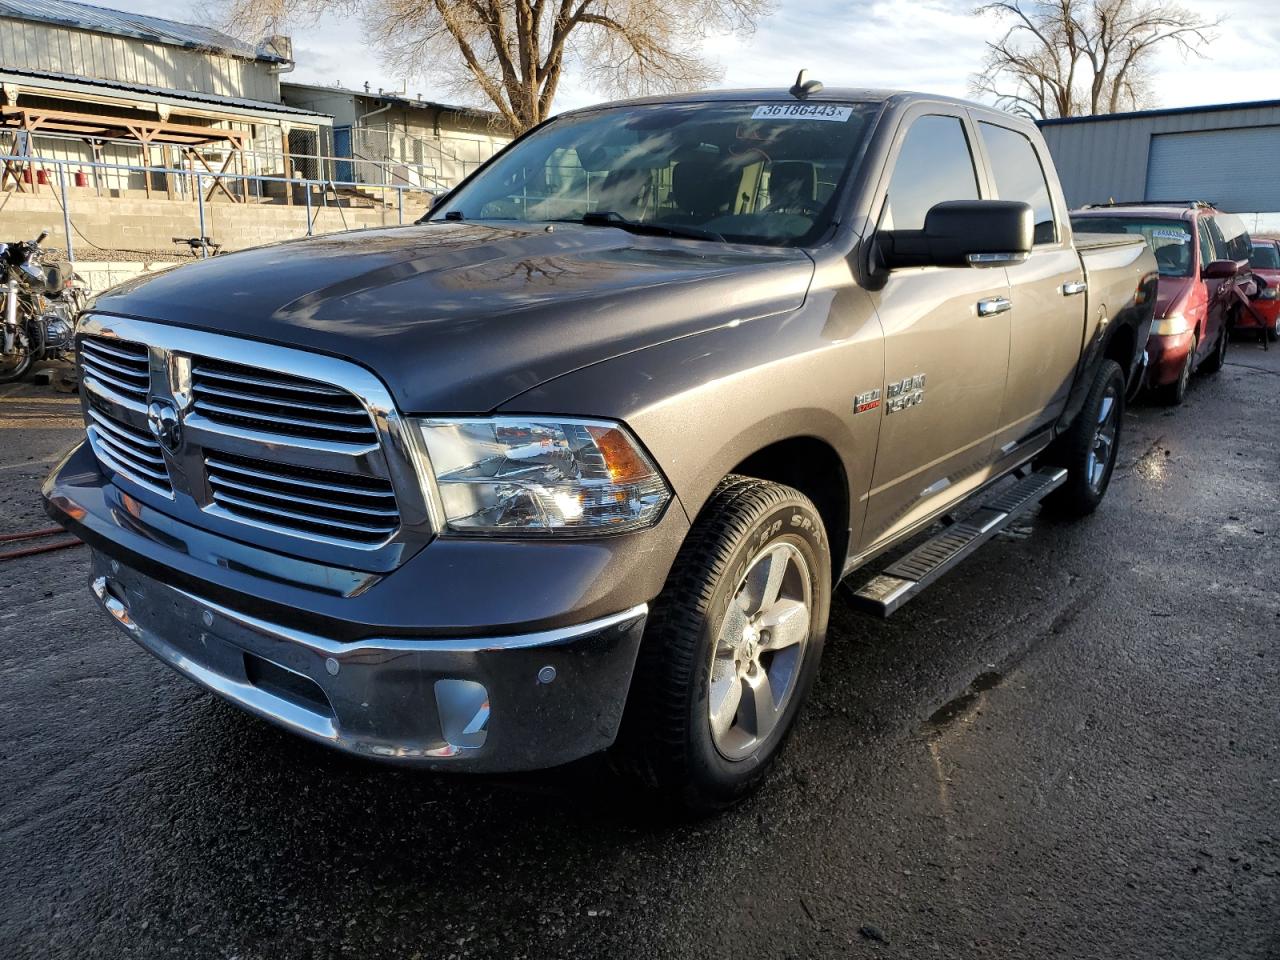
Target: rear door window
934,165
1020,176
1235,243
1170,239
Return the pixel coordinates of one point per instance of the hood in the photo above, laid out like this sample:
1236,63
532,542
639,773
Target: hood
1172,294
460,317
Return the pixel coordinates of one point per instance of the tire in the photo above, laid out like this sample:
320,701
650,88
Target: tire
1172,394
1213,363
669,740
1273,334
15,367
1089,447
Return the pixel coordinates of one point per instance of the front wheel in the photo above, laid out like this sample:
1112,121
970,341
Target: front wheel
1089,447
14,366
1213,363
731,647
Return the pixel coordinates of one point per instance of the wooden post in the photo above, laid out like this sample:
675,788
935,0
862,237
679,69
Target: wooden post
288,164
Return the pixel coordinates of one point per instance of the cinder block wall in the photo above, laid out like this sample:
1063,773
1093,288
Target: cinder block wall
151,225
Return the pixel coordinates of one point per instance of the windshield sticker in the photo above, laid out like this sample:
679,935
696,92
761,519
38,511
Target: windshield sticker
802,111
1166,234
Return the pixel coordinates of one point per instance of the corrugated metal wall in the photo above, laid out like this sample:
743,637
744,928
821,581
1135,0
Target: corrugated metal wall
42,46
1233,169
1102,159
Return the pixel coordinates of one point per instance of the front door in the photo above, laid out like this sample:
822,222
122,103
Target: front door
946,339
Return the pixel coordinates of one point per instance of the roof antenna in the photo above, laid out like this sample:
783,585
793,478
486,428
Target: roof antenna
805,87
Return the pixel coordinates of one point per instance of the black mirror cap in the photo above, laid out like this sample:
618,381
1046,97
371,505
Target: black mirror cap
961,233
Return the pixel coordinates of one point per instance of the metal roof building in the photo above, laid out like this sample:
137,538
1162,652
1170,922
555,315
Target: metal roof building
1223,153
84,83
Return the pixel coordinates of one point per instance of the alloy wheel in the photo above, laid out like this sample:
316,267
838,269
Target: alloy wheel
759,650
1103,450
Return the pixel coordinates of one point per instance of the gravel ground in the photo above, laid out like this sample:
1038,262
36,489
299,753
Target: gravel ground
1068,748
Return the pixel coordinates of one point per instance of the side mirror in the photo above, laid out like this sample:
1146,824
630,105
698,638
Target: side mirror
963,233
1220,270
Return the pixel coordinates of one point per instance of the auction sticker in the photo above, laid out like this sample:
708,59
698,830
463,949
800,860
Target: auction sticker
801,111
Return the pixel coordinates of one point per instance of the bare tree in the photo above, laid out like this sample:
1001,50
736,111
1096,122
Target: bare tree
1064,58
513,53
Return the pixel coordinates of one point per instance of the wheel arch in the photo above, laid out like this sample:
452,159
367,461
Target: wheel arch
811,465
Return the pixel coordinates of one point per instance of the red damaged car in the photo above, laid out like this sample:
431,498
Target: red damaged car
1202,255
1265,263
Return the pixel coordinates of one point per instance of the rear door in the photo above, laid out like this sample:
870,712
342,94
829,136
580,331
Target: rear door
946,335
1047,290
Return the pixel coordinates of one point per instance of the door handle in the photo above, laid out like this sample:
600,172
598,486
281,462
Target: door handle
993,305
1072,287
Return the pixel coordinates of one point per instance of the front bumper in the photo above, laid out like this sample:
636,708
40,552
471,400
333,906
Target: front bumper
396,665
1166,354
496,704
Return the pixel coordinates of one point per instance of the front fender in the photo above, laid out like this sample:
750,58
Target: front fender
702,405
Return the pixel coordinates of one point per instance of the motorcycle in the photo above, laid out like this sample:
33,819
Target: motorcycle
40,306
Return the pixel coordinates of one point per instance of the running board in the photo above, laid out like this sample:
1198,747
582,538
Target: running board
886,592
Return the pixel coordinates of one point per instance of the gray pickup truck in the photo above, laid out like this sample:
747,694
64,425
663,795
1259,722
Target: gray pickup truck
575,463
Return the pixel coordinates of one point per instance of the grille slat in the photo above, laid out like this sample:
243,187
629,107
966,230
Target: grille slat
376,489
119,365
120,349
139,379
246,376
247,397
353,507
145,448
118,452
291,426
269,496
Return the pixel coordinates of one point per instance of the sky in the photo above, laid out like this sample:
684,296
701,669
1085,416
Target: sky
927,45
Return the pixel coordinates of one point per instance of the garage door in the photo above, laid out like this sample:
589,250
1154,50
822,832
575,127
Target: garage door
1232,168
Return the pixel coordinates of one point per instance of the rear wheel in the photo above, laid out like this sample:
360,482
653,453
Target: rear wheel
1089,447
731,647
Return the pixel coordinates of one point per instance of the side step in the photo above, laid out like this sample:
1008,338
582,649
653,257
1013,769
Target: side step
886,592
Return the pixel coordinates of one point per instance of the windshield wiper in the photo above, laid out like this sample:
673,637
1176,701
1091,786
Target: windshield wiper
611,218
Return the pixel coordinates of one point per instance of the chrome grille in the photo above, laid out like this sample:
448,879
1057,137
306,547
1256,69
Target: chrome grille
127,450
282,449
122,367
314,501
263,400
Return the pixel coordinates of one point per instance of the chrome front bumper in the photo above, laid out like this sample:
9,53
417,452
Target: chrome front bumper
485,704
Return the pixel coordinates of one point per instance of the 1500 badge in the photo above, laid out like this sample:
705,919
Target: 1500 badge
904,393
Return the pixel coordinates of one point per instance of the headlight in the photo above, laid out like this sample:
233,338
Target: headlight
1270,293
518,476
1173,323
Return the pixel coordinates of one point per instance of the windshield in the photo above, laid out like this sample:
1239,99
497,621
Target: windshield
744,172
1170,239
1265,256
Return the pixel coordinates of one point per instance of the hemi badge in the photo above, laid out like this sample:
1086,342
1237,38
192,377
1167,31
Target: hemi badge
866,401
